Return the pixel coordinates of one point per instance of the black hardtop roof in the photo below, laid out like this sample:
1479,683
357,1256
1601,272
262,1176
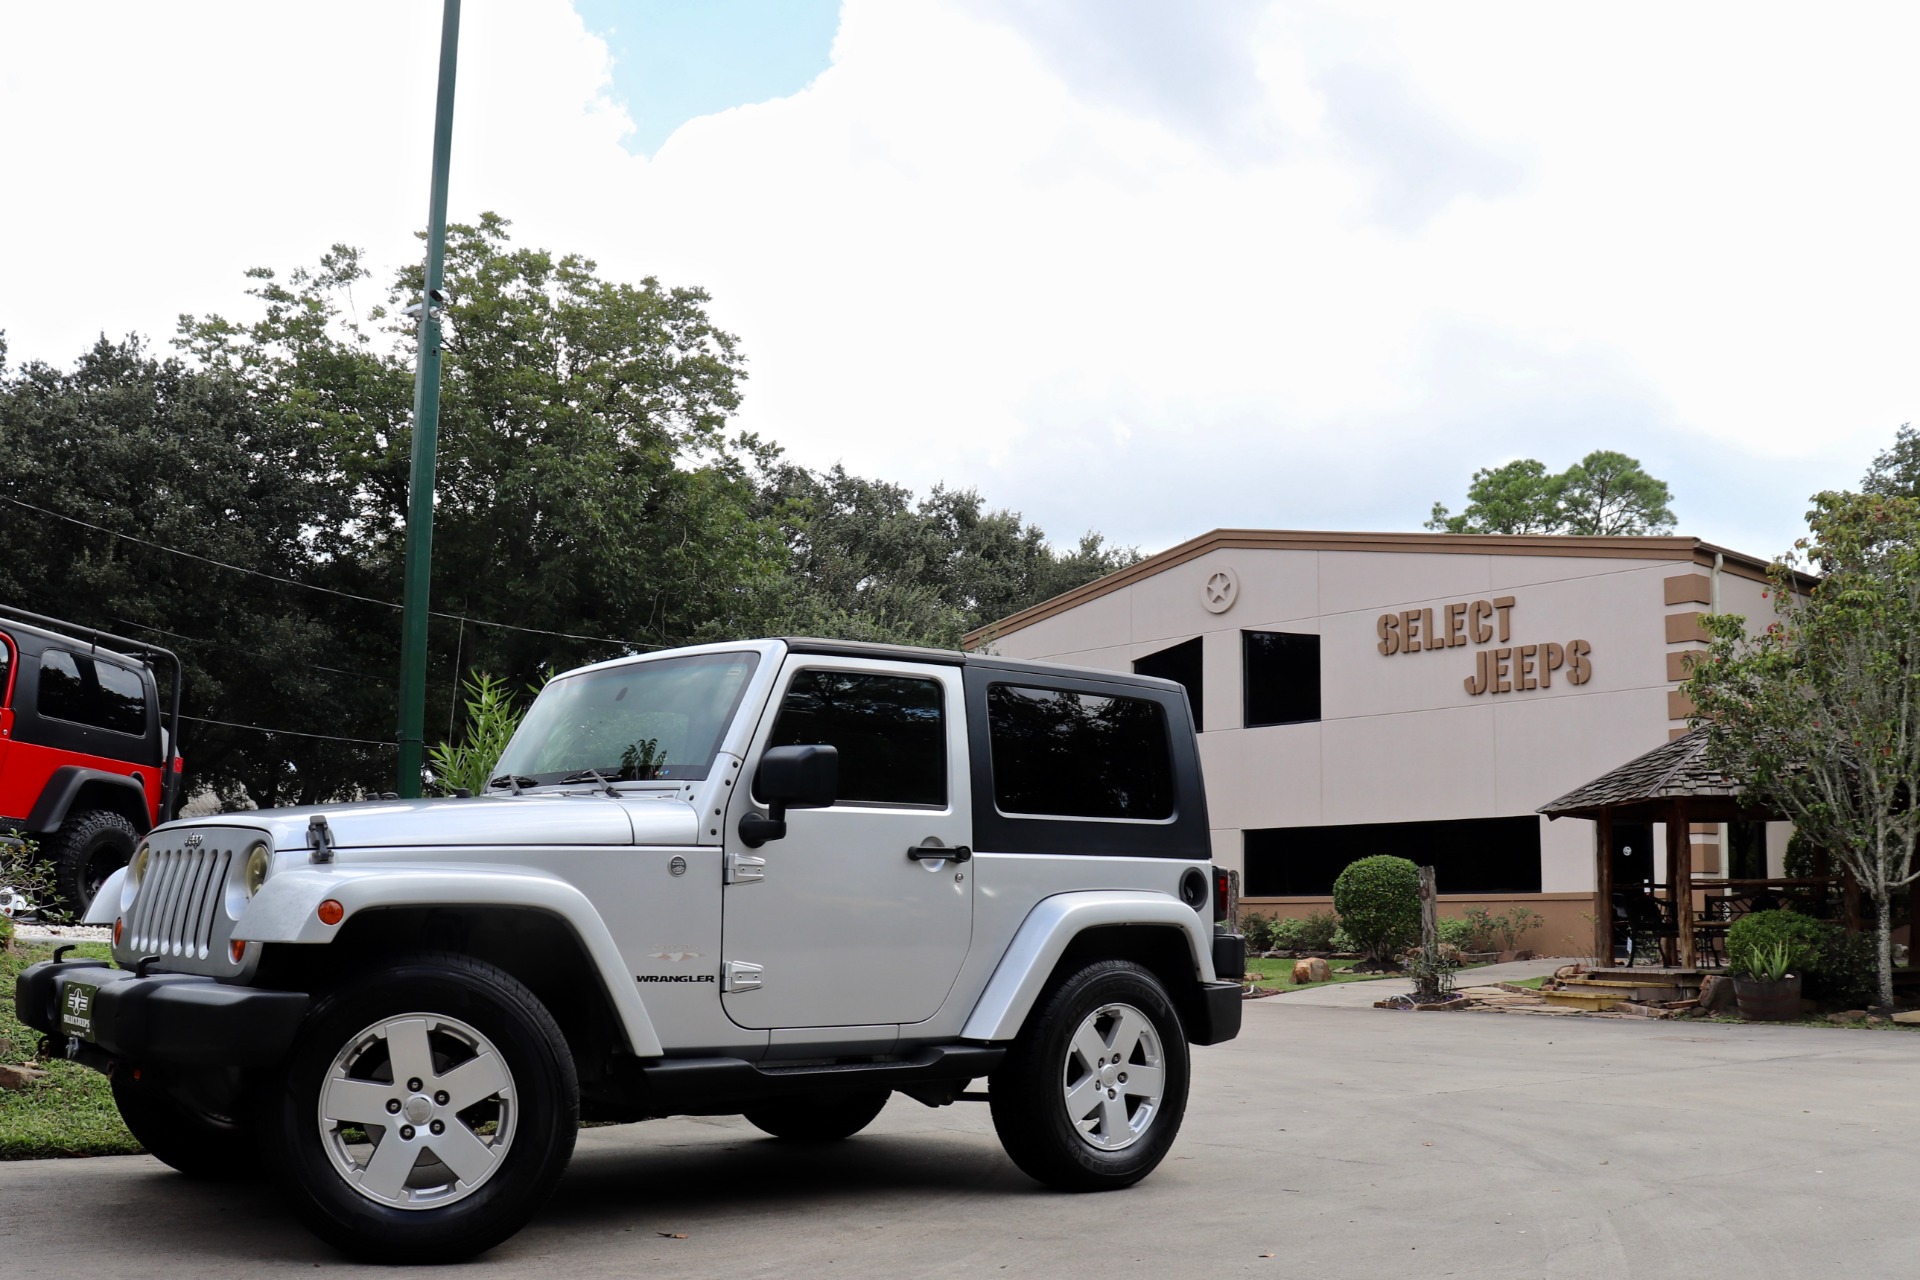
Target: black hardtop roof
141,656
955,658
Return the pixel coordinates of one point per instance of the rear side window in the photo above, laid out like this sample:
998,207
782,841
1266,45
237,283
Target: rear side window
62,695
6,666
1062,753
100,694
890,731
122,705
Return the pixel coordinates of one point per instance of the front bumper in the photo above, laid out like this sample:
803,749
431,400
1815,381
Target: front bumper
174,1019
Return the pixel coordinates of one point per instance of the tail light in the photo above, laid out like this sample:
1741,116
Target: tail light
1222,893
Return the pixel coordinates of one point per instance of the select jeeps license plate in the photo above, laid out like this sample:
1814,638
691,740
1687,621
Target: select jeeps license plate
76,1008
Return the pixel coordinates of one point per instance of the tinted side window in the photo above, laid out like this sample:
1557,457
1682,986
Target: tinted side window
1078,755
890,730
6,662
62,694
122,705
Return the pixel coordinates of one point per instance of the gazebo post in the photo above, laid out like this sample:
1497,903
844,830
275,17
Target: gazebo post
1680,878
1603,892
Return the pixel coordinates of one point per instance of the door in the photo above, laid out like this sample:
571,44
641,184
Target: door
838,926
1632,855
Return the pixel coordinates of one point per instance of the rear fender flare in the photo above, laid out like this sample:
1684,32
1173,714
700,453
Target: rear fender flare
287,910
64,787
1045,936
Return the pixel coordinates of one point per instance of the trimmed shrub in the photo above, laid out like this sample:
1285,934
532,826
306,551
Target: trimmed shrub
1341,942
1286,934
1803,937
1378,901
1847,970
1455,932
1258,931
1318,930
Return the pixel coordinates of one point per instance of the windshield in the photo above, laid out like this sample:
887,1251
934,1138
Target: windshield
646,720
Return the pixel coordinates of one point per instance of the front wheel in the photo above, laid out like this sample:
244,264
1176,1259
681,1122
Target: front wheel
1091,1094
426,1112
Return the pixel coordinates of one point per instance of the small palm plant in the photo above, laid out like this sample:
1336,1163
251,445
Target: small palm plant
491,720
1764,962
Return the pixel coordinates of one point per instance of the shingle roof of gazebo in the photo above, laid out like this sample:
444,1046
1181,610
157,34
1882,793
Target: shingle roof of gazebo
1673,770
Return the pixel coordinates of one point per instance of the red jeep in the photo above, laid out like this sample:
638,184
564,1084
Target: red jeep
86,764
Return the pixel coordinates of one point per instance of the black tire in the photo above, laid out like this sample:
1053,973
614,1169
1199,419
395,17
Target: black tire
827,1118
89,846
539,1129
1028,1095
211,1148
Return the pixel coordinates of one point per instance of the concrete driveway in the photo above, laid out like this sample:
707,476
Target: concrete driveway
1342,1142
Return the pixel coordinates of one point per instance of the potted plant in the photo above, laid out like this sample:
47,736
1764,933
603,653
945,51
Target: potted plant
1763,990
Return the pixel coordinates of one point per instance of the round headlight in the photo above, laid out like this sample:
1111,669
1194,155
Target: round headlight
258,860
137,869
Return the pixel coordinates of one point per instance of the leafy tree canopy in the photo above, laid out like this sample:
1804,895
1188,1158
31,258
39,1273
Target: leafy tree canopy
1603,493
592,500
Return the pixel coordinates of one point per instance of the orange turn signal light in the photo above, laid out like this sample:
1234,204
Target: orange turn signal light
237,949
331,912
119,927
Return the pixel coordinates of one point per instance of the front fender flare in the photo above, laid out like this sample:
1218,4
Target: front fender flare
1052,925
287,910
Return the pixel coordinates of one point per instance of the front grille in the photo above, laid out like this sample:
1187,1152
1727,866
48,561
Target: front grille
181,899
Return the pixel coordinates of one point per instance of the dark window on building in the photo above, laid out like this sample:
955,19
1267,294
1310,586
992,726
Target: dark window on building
1181,664
1281,673
890,730
1747,850
63,696
1079,755
1471,855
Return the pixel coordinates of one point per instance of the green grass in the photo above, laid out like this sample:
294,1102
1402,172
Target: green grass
1277,975
1533,983
71,1112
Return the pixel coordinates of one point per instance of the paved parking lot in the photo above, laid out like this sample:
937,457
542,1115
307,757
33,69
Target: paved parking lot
1342,1142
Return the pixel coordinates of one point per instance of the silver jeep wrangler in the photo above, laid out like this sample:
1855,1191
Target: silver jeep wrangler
783,879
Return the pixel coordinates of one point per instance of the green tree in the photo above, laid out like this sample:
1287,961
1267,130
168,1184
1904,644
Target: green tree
1603,493
1818,714
1895,472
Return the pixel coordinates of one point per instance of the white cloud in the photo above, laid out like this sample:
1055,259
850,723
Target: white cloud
1293,265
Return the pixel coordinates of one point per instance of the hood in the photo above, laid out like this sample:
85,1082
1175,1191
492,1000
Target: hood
548,818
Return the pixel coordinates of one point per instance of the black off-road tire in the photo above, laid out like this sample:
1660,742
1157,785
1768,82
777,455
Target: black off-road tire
827,1118
210,1148
1028,1094
544,1087
89,846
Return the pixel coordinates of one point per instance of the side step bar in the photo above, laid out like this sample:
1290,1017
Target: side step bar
674,1083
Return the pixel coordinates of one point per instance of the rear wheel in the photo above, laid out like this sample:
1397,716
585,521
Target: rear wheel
1091,1094
89,846
213,1148
824,1119
426,1112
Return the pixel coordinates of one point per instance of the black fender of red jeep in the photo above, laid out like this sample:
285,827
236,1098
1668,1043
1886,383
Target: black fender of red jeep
114,791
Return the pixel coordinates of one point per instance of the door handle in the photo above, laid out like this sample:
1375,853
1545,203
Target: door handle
940,853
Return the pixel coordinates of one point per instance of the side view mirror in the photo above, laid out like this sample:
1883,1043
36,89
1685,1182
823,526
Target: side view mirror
802,777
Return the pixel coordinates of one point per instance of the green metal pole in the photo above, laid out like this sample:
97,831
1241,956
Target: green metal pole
426,430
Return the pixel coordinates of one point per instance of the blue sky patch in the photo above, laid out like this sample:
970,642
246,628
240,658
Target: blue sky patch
674,60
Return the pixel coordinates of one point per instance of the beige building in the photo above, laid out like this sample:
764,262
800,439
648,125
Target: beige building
1421,695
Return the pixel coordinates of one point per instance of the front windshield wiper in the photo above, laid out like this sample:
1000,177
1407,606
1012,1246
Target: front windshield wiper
513,780
589,775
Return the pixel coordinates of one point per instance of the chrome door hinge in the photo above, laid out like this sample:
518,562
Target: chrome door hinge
739,975
742,867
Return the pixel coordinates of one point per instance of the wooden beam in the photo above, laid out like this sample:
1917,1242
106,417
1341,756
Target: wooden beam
1603,890
1680,878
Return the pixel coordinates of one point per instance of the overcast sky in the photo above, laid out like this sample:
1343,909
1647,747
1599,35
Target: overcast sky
1145,266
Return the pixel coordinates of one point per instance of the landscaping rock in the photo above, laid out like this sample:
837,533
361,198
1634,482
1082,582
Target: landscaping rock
20,1077
1911,1018
1875,1020
1569,971
1314,970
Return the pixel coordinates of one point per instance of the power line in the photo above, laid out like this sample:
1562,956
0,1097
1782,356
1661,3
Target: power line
252,653
309,586
291,733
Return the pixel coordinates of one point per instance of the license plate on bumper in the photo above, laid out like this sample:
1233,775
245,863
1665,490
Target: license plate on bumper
76,1009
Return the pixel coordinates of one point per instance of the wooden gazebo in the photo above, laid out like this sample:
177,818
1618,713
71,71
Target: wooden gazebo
1672,784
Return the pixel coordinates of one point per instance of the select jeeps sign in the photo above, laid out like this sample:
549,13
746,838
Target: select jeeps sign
1507,668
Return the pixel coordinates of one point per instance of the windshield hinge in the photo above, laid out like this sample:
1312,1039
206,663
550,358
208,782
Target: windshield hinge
320,838
741,868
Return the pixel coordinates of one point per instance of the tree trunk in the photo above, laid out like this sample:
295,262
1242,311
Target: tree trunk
1883,945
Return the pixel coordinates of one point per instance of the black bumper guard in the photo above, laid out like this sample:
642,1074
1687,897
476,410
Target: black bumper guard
164,1018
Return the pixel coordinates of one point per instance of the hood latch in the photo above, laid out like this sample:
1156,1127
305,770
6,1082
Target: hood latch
320,838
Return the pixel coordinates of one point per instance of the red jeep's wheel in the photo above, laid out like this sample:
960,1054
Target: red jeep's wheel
90,845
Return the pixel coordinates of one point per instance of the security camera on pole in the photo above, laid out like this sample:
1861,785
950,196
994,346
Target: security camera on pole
426,427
